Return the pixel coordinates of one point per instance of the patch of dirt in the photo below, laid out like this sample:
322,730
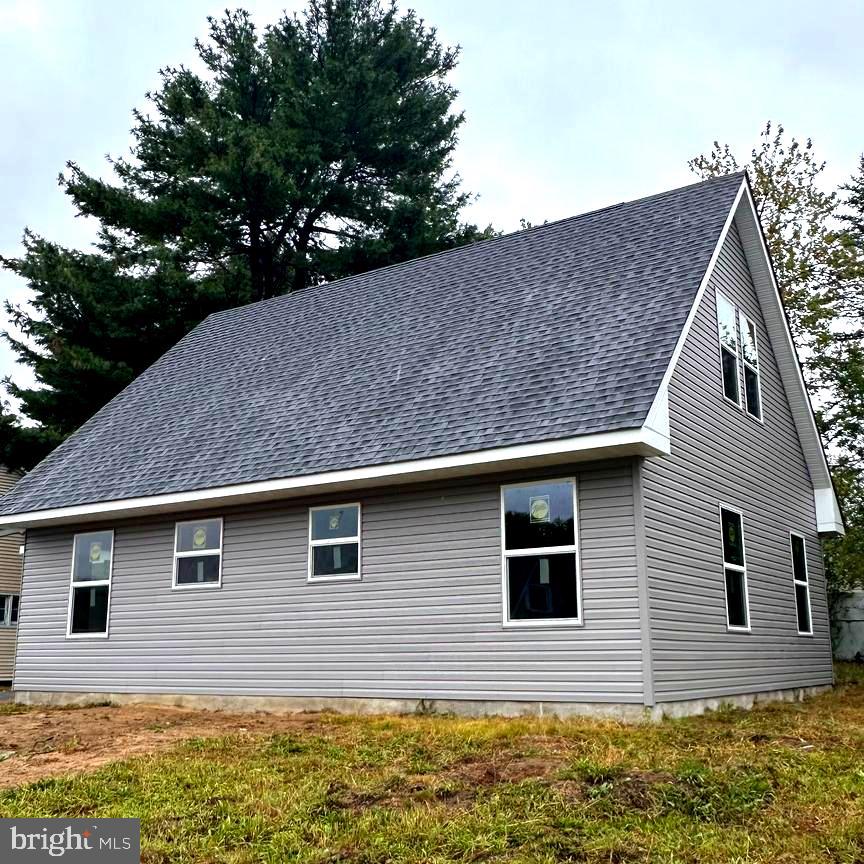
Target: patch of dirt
52,742
460,784
455,786
504,769
633,790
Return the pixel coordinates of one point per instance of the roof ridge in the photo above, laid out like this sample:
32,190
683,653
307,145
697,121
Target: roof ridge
477,243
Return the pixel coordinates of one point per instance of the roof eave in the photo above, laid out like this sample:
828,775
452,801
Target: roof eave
639,441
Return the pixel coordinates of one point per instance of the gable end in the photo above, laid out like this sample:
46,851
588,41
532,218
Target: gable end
743,216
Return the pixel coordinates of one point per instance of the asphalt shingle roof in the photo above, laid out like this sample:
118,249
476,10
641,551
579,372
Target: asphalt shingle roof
561,330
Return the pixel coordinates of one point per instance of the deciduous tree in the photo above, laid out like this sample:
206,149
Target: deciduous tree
817,246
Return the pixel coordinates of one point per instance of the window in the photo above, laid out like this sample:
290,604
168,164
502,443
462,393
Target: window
540,567
728,333
802,586
90,590
334,542
8,610
734,570
750,355
198,554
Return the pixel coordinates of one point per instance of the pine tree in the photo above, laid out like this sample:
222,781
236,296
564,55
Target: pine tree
318,148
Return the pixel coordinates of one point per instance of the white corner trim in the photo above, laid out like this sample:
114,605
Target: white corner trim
829,520
640,441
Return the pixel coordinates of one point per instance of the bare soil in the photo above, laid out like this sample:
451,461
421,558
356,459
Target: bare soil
52,742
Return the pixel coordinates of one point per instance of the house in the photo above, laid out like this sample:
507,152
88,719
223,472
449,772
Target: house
848,626
568,470
10,586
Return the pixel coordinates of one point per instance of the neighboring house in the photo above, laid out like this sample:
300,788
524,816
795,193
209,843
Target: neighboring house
848,621
572,469
10,586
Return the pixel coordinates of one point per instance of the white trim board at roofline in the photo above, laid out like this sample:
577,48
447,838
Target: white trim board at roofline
640,441
743,215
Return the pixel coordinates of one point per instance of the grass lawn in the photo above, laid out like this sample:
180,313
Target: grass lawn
784,783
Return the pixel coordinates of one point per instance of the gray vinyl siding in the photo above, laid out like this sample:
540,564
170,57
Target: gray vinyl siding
720,455
424,622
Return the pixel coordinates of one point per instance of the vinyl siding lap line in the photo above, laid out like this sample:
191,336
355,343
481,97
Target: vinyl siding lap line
720,455
423,623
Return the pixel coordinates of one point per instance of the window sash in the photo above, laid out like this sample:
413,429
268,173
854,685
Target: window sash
745,327
89,583
311,576
735,568
801,582
335,541
739,521
570,548
215,550
732,351
540,550
723,300
197,553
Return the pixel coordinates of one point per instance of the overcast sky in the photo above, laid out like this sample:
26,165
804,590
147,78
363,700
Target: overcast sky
570,105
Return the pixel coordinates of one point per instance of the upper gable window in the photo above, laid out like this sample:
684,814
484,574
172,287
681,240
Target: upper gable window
750,355
728,333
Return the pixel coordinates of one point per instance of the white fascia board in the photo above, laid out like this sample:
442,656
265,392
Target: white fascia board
640,441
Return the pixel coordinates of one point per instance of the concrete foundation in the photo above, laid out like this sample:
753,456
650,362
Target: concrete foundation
744,701
461,707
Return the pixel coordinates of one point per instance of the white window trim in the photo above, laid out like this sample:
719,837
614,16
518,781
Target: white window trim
89,584
721,347
6,621
761,418
737,567
506,622
336,541
806,583
197,553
